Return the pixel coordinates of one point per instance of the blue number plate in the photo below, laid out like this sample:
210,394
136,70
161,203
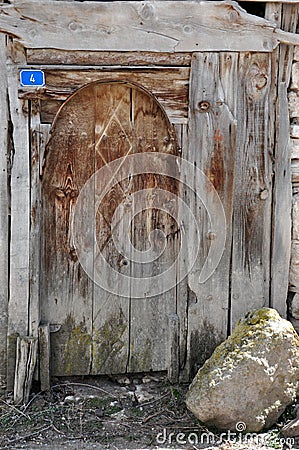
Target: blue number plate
32,78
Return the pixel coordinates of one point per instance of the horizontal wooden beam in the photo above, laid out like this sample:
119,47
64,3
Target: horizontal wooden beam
270,1
108,58
155,26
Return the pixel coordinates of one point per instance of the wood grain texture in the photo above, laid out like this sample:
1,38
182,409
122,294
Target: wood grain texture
94,58
25,364
67,291
44,353
34,263
169,85
97,125
211,147
149,327
275,1
253,186
4,210
111,312
135,26
20,208
282,191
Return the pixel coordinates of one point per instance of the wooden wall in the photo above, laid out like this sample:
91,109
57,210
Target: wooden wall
245,83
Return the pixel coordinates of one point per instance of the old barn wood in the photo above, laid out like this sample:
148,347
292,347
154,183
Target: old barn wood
204,82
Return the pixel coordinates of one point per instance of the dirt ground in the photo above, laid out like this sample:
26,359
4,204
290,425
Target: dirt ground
121,413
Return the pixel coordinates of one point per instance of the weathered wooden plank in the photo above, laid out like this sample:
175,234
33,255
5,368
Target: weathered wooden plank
34,281
25,365
67,291
111,310
4,211
169,85
127,26
273,1
282,191
212,134
44,356
253,185
150,336
88,58
273,12
182,290
20,208
174,348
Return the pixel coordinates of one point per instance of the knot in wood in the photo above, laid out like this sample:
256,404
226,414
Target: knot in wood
261,81
147,12
204,106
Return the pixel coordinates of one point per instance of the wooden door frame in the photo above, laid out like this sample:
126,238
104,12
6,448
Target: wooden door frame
169,44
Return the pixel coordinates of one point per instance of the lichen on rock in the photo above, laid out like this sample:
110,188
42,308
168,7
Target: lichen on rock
251,377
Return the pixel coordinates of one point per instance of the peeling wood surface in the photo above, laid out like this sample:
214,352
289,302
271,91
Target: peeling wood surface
127,26
115,334
212,147
94,58
253,186
169,85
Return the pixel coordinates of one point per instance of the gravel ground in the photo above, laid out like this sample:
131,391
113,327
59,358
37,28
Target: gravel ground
120,413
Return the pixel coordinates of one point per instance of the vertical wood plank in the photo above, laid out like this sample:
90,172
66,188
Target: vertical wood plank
44,356
34,306
4,211
282,190
111,321
20,209
151,316
253,186
212,134
67,292
182,288
25,365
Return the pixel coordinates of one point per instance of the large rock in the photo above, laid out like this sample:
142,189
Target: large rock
251,377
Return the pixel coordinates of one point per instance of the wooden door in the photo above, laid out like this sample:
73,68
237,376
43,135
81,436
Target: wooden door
95,331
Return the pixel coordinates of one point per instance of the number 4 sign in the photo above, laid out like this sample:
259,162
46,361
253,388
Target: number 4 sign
32,78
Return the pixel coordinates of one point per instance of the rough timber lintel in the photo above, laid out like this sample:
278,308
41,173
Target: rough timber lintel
139,26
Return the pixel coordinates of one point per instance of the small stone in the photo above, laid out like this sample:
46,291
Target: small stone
251,377
293,104
70,399
296,54
142,396
295,148
295,131
123,380
295,76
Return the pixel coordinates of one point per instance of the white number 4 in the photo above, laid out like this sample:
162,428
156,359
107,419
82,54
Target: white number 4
32,79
